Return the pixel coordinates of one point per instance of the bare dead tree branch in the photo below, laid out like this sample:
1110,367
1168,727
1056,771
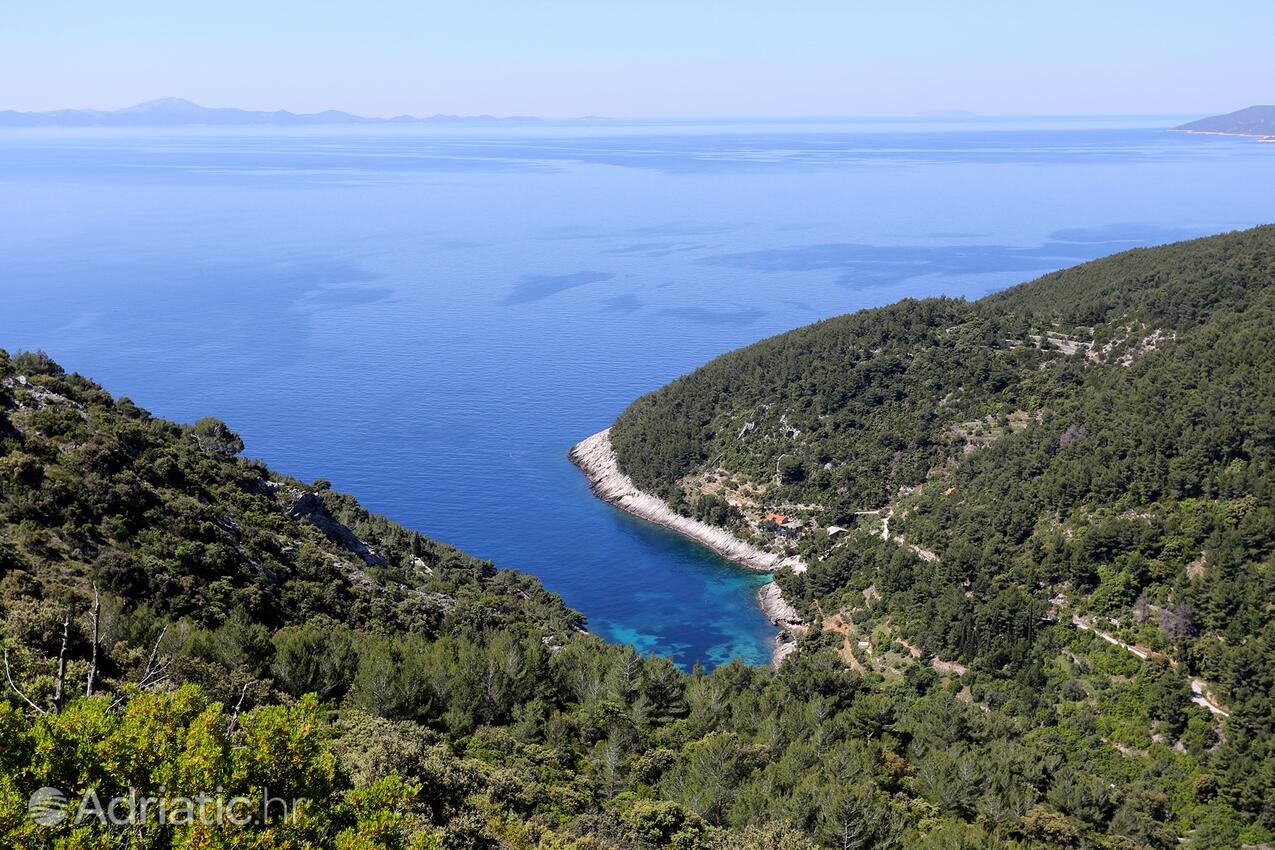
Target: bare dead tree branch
9,675
97,624
234,717
61,683
154,677
151,674
150,662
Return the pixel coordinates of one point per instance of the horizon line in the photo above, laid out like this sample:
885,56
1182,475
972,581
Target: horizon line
954,115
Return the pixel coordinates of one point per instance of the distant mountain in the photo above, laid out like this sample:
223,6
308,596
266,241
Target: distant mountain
1253,121
177,112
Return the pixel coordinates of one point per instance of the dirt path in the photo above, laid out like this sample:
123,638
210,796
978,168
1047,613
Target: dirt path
921,552
1201,695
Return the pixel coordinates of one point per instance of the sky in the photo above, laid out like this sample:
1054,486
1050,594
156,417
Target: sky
643,58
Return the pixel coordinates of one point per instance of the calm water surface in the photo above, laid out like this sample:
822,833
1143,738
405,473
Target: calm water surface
430,318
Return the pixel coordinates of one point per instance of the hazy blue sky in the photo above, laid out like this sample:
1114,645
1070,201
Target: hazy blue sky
653,57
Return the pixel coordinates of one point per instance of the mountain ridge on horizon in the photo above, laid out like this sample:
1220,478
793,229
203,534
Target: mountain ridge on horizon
177,111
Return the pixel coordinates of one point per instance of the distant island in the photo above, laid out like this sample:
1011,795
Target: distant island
1251,121
177,112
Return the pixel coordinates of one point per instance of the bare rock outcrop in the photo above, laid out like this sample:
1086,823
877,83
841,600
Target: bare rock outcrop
309,506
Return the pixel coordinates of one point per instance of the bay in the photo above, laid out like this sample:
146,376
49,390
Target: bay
431,317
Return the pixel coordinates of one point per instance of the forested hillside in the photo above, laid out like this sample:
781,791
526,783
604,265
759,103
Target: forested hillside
178,621
1060,495
1052,629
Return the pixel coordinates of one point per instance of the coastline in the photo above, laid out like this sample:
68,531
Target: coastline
781,614
596,459
1261,137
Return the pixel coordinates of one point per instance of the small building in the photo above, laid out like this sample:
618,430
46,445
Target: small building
783,525
791,528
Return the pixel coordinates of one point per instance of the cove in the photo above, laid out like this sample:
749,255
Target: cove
432,318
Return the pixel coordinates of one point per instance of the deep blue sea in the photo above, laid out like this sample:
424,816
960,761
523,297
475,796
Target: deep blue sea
431,317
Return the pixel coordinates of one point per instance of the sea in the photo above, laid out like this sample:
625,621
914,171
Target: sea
430,316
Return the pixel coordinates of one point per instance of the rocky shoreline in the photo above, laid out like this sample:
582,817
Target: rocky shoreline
596,459
781,613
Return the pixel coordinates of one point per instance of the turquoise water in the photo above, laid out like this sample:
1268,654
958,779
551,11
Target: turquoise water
430,319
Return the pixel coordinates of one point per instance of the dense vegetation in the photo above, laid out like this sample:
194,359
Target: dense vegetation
177,619
1061,494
